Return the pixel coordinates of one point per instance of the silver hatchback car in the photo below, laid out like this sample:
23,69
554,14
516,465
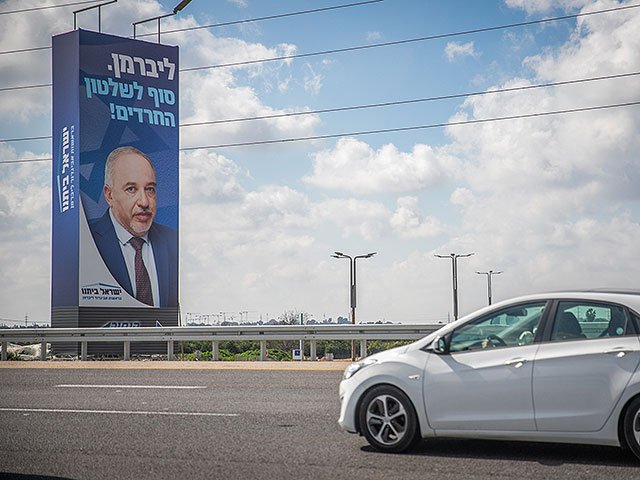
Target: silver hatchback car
560,367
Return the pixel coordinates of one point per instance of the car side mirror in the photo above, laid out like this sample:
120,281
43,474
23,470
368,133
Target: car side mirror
440,346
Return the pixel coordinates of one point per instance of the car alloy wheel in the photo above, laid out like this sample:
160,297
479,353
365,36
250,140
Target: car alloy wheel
631,426
388,420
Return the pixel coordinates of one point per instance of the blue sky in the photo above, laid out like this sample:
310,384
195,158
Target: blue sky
551,201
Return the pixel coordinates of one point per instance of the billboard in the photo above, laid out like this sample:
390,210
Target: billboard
115,174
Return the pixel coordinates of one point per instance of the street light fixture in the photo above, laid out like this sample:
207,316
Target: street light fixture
489,274
352,288
177,8
454,264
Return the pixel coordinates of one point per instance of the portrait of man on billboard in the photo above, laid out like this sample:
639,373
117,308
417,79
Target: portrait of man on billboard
141,254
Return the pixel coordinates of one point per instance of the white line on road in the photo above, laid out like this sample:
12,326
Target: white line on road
174,387
120,412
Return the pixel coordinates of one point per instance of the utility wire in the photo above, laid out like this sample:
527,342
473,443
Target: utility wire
48,7
236,22
376,45
411,40
270,17
406,102
373,132
32,49
6,89
406,129
376,105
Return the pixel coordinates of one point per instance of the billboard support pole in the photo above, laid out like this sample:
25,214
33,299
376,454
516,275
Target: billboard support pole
99,7
178,7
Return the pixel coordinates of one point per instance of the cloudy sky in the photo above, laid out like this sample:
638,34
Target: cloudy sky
551,201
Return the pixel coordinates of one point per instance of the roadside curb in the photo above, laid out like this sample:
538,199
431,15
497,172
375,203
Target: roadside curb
174,365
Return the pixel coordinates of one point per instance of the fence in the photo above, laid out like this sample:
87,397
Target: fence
214,334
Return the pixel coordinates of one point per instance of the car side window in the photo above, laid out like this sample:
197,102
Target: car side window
574,320
510,327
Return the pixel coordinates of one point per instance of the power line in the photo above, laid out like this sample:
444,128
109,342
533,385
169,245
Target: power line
376,45
270,17
224,24
48,7
386,130
24,87
32,49
27,160
406,129
376,105
406,102
25,139
411,40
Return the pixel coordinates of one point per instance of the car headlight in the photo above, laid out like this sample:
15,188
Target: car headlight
351,370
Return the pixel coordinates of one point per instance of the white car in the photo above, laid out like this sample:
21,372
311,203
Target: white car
559,367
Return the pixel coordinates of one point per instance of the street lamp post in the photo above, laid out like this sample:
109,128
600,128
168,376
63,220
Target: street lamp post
454,265
489,274
352,289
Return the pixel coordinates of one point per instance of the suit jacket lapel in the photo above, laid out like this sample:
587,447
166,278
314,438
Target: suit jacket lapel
109,247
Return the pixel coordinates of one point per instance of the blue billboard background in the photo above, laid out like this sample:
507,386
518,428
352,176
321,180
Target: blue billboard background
128,96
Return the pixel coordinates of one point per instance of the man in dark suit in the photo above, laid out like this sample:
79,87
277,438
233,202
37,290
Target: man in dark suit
141,255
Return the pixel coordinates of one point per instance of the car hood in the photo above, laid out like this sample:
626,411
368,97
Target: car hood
390,354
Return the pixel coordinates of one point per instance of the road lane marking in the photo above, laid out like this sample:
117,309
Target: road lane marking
170,387
118,412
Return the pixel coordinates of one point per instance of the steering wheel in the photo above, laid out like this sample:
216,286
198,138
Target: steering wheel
498,340
525,338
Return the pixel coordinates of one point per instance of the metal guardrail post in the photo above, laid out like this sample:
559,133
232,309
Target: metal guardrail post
313,350
43,351
263,350
127,350
363,348
83,351
214,350
170,350
4,351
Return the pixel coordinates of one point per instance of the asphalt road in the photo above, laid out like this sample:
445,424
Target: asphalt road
236,424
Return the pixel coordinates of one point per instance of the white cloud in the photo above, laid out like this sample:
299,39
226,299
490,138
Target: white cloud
353,166
354,217
373,36
312,81
547,199
553,202
408,222
455,50
25,236
239,3
542,6
208,177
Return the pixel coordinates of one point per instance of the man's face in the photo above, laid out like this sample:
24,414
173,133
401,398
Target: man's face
132,194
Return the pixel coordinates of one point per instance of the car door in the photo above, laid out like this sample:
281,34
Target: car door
482,380
581,371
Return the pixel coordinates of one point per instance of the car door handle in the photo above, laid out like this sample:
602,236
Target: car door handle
618,352
516,362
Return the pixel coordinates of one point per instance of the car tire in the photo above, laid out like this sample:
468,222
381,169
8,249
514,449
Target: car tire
631,427
388,420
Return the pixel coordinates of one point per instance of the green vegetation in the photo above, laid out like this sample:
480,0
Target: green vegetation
280,350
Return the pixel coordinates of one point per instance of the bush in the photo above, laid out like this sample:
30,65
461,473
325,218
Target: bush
280,350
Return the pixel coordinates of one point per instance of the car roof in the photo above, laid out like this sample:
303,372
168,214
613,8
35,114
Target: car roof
628,297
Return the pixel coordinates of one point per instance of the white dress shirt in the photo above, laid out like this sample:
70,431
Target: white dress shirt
129,254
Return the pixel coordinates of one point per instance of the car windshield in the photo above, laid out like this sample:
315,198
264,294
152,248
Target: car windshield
510,327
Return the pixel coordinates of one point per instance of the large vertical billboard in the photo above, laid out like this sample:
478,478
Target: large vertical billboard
115,176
